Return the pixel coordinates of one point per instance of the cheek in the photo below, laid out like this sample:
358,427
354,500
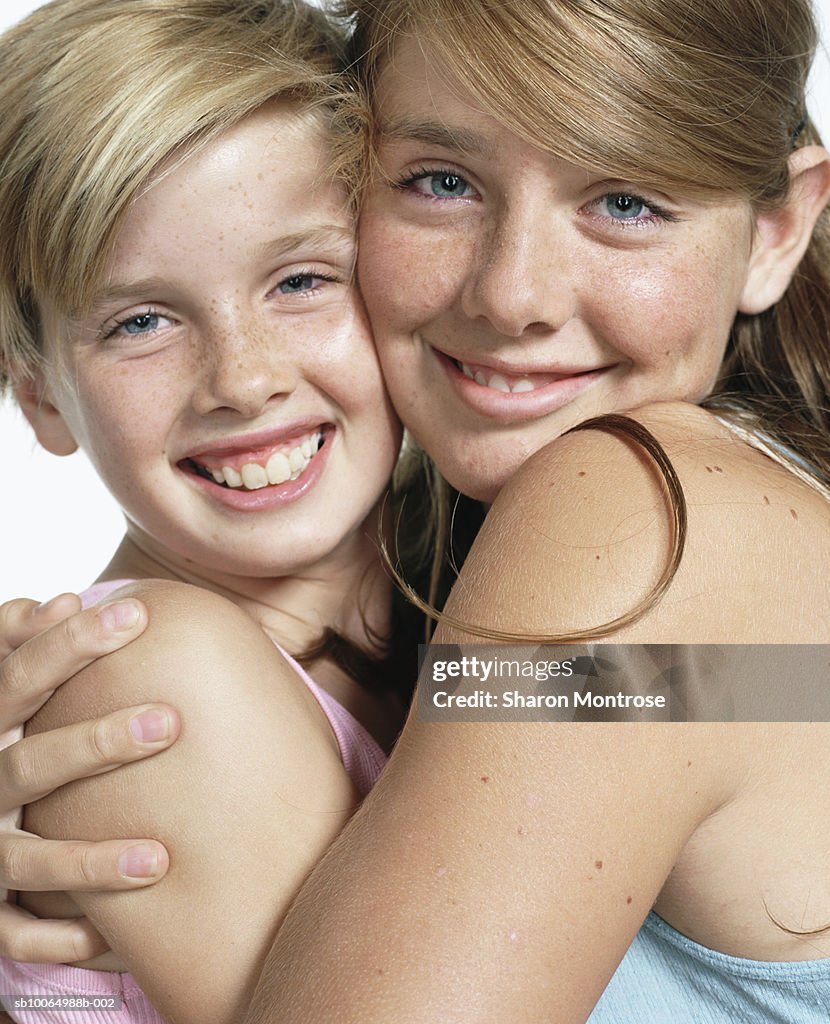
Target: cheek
384,260
349,370
345,361
403,377
124,416
373,429
678,313
407,275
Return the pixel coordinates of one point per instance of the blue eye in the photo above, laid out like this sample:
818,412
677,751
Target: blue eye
628,210
138,326
143,324
440,184
446,185
297,283
624,207
306,283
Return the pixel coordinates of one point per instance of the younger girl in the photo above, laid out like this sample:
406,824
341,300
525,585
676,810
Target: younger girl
177,299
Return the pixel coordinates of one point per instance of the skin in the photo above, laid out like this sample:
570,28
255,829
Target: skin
674,806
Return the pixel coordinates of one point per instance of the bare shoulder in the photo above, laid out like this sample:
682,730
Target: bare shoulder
584,530
199,649
239,700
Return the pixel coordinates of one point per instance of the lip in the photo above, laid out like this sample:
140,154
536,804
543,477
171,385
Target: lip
274,495
512,407
257,442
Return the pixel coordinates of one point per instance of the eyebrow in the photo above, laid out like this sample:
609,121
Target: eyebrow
435,133
122,290
324,236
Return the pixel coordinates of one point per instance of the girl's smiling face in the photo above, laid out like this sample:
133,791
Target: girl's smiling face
225,384
514,295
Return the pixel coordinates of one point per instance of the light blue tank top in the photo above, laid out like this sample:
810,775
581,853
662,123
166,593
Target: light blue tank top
666,978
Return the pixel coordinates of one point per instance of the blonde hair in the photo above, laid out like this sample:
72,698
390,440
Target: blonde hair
701,97
94,96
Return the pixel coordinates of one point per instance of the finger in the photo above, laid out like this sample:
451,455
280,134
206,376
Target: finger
31,864
36,765
34,941
30,674
22,619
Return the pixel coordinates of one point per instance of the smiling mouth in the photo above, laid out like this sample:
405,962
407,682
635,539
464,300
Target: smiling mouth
265,469
507,383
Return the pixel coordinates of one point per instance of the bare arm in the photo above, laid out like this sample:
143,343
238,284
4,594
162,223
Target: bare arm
240,840
500,871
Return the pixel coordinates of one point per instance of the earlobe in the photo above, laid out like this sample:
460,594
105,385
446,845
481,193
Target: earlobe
46,420
782,235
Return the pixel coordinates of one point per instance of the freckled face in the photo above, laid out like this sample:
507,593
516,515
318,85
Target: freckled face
228,342
514,295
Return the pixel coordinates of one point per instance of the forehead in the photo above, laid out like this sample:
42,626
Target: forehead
412,79
265,179
277,146
419,99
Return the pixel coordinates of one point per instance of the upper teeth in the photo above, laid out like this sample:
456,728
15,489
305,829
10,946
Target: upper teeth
496,381
281,466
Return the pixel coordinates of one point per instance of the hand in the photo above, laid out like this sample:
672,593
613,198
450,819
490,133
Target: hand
42,648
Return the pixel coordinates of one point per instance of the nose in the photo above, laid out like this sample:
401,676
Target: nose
522,279
241,366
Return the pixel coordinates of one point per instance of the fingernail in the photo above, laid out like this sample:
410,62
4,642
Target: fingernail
150,726
46,605
119,615
138,862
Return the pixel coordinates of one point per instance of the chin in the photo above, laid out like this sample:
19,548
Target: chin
472,483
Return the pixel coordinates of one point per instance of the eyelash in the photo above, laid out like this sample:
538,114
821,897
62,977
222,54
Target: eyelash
315,275
657,212
420,173
112,328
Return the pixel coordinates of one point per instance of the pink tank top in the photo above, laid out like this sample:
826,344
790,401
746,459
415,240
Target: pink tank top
107,997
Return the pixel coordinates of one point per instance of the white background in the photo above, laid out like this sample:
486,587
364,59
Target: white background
57,523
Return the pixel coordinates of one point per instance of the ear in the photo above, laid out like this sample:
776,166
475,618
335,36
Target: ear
782,235
45,418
